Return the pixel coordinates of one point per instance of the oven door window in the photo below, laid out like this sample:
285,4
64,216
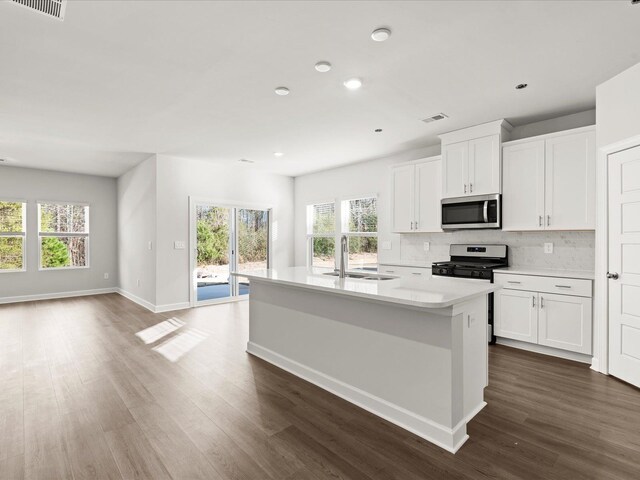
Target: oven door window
463,213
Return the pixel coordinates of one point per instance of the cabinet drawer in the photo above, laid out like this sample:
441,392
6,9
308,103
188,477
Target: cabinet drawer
405,271
563,286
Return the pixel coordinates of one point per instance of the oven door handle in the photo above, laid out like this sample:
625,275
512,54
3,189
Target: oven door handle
485,211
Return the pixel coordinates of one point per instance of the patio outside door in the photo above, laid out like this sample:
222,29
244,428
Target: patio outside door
227,239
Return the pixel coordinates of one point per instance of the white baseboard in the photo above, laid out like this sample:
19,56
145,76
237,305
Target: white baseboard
52,296
172,306
554,352
140,301
450,439
150,306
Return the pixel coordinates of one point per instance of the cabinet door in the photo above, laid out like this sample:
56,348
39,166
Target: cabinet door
516,315
484,165
570,182
455,164
428,209
402,198
523,186
565,322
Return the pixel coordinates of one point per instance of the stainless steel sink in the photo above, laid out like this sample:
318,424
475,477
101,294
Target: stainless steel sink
363,276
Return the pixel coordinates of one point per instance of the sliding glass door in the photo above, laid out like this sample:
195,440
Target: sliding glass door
227,239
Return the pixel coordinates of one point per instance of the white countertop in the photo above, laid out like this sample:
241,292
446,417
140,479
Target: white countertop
542,272
428,292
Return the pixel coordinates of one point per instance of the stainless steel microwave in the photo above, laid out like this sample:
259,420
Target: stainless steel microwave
479,211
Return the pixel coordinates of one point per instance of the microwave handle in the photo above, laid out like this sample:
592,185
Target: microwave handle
485,211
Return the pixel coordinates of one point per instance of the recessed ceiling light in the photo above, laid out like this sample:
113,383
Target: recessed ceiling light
378,130
353,83
282,91
246,160
380,34
520,86
323,67
278,154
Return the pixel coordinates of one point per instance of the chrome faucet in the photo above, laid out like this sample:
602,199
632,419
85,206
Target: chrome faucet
344,252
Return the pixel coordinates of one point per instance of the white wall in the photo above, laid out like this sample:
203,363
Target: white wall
178,179
137,213
618,107
347,182
33,185
573,250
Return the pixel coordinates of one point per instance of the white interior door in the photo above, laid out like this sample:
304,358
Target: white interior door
624,265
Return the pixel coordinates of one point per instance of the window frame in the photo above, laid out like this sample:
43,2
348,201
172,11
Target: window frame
310,236
344,223
85,234
22,234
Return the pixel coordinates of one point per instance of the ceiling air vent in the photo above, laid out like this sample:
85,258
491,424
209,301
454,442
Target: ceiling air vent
50,8
434,118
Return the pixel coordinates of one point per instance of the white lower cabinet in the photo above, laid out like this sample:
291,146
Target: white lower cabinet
564,321
516,315
549,319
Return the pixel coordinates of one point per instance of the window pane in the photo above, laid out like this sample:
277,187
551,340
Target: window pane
324,250
11,217
11,257
56,218
324,218
253,237
363,215
60,252
363,253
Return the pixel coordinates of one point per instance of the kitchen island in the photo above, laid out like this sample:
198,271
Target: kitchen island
410,350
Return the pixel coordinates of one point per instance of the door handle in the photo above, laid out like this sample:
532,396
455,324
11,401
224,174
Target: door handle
539,220
613,276
485,211
548,220
541,302
533,302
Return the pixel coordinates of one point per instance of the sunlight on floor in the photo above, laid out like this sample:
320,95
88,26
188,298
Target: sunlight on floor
182,343
156,332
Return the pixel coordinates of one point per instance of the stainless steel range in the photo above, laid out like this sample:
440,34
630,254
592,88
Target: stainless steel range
477,262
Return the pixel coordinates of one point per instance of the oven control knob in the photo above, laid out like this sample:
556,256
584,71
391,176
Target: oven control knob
442,271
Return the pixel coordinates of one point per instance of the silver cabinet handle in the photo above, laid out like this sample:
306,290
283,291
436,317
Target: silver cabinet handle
539,220
416,225
512,281
533,302
415,273
411,225
563,286
613,276
465,188
389,271
471,188
541,302
548,220
485,211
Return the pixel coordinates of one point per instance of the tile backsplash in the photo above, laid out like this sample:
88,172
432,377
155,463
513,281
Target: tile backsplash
571,250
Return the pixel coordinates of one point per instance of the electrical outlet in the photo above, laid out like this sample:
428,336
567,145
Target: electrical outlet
548,247
425,246
106,276
179,245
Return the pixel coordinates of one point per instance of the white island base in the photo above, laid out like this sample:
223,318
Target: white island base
424,369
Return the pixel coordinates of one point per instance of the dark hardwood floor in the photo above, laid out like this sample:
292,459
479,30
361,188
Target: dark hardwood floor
81,396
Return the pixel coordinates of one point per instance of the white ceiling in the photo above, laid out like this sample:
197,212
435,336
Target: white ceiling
117,81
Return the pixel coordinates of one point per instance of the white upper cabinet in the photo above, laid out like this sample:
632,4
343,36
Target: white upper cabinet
403,183
471,163
570,186
549,182
416,195
455,167
523,186
428,210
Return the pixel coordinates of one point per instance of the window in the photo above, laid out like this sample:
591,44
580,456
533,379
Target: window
64,235
321,234
360,225
12,236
